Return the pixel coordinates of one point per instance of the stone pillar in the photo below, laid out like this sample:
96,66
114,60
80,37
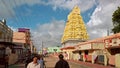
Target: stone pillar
78,56
94,55
73,57
105,60
70,55
93,60
117,60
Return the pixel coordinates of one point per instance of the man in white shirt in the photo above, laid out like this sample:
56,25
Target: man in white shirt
34,63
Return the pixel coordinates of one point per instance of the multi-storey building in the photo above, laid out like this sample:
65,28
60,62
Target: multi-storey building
6,33
22,39
22,36
6,44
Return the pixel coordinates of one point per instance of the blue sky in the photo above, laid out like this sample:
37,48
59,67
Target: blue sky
29,16
47,18
39,14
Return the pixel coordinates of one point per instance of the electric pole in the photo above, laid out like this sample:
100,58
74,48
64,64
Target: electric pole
108,32
42,47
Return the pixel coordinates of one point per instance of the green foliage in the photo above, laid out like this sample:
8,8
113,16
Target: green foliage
116,21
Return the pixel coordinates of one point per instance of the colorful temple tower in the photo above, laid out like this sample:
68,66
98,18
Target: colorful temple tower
75,30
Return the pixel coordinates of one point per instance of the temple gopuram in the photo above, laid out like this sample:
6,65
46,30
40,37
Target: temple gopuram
75,30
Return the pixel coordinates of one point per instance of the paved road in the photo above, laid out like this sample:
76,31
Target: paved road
50,63
17,66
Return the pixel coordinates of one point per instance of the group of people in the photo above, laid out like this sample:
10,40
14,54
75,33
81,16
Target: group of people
38,62
35,61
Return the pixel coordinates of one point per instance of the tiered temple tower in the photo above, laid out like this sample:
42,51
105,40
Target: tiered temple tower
75,30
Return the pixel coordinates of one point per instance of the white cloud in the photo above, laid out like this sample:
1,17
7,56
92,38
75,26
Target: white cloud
69,4
49,33
101,19
7,6
5,9
12,28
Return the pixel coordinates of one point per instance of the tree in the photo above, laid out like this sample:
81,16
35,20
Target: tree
116,21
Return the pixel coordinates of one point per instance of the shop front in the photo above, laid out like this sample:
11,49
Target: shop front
5,49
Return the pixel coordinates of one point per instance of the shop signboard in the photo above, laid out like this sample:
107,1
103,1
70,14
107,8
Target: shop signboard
98,45
85,46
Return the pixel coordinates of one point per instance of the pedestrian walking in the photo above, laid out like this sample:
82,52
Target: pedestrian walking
34,63
61,63
6,61
28,59
66,55
41,61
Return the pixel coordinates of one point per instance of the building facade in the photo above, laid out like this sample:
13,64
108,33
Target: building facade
6,33
105,50
22,36
23,42
6,45
53,49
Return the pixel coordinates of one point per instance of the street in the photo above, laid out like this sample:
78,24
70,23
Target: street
50,63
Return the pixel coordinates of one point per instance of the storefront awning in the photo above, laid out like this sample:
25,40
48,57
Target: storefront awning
69,47
112,47
7,43
77,51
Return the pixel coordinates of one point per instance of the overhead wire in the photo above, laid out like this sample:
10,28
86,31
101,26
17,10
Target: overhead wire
19,18
26,20
6,5
22,21
9,10
16,19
